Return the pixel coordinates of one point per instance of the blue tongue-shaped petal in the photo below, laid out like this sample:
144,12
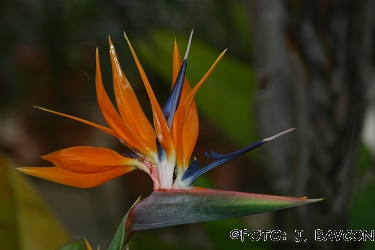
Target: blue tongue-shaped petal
192,174
171,105
193,167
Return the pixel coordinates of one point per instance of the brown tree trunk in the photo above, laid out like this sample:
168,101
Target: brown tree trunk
313,62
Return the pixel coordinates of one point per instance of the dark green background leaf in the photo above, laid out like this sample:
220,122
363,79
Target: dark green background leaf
26,222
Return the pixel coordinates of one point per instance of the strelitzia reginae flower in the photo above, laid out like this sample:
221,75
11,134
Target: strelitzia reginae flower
163,151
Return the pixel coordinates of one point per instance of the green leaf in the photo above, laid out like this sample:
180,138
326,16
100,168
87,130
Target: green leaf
77,244
26,222
365,161
228,92
185,206
362,212
123,233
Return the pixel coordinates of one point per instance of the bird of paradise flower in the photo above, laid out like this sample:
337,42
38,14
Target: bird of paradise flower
163,151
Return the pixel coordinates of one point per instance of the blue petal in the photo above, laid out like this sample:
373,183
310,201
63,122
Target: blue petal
193,167
221,159
161,152
215,155
171,105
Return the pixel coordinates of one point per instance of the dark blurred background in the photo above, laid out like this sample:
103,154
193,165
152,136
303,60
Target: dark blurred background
304,64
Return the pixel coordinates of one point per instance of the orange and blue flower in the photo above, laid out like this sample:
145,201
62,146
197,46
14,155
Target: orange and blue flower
162,150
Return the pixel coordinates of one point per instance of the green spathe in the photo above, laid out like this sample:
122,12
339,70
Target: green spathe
184,206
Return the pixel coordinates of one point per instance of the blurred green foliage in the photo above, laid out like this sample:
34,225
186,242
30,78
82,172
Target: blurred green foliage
25,221
362,216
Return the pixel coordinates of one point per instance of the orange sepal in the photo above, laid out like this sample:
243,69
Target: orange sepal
127,102
80,180
184,132
114,120
85,159
105,129
186,104
187,136
160,123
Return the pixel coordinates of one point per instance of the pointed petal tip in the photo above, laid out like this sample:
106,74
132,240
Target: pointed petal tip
41,108
28,170
188,46
224,51
21,169
112,51
278,135
32,171
105,129
313,200
126,37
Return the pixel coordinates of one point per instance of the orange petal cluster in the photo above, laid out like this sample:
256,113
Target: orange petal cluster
90,166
